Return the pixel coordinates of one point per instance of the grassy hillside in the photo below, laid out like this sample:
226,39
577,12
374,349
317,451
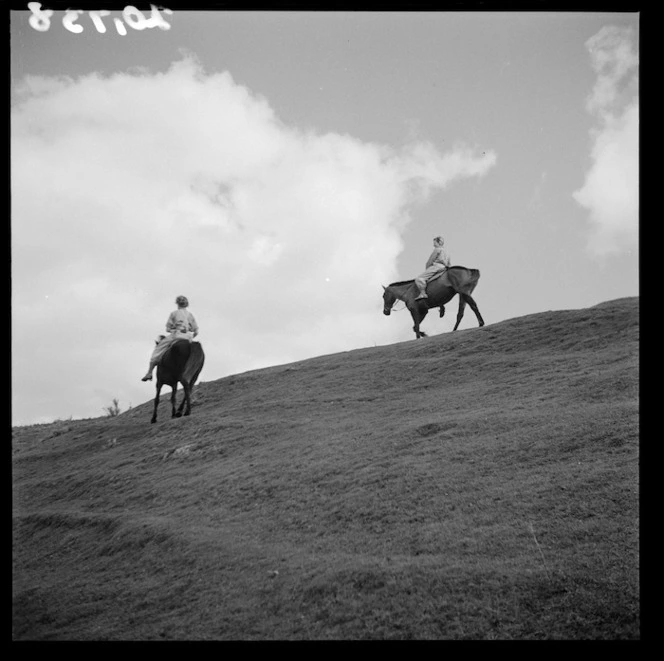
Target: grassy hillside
472,485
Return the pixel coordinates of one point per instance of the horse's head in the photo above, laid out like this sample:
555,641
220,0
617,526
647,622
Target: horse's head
388,300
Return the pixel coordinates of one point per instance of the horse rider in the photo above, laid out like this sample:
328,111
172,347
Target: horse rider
180,325
438,262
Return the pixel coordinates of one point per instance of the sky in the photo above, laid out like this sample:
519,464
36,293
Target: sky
279,167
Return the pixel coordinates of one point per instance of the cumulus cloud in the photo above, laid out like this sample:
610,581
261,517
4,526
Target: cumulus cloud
132,189
611,189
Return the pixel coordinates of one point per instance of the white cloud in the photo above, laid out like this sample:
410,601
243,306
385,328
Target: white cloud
130,190
611,189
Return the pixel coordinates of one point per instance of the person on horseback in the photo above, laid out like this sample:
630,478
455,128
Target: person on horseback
180,325
438,262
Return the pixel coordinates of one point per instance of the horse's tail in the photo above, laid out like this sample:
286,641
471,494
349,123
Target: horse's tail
194,363
463,279
472,282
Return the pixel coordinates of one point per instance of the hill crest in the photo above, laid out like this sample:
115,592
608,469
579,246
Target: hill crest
476,484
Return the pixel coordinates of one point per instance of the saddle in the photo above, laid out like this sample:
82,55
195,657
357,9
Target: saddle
438,275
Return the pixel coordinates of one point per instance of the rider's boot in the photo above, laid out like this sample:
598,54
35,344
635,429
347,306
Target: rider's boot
423,292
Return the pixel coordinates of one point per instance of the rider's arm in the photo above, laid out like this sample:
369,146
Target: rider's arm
171,323
193,326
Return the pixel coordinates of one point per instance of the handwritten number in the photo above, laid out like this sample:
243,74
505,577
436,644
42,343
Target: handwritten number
157,20
119,26
96,17
70,19
39,20
134,18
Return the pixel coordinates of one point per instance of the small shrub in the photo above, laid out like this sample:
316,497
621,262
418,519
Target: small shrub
114,409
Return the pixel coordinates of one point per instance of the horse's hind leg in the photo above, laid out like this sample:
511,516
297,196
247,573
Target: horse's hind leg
462,307
173,396
186,399
474,308
156,403
188,390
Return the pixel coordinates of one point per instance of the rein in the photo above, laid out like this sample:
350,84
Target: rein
398,300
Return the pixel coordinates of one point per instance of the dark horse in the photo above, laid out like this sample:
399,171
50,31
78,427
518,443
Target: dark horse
182,363
440,290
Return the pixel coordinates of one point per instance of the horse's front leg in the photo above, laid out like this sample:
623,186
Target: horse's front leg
418,313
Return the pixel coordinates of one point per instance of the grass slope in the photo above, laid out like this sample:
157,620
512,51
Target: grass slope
481,484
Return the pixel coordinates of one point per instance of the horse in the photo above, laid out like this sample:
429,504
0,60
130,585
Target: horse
440,290
182,363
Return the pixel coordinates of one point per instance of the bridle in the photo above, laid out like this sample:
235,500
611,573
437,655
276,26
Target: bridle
393,308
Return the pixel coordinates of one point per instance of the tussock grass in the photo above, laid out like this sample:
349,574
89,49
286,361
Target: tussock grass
475,485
